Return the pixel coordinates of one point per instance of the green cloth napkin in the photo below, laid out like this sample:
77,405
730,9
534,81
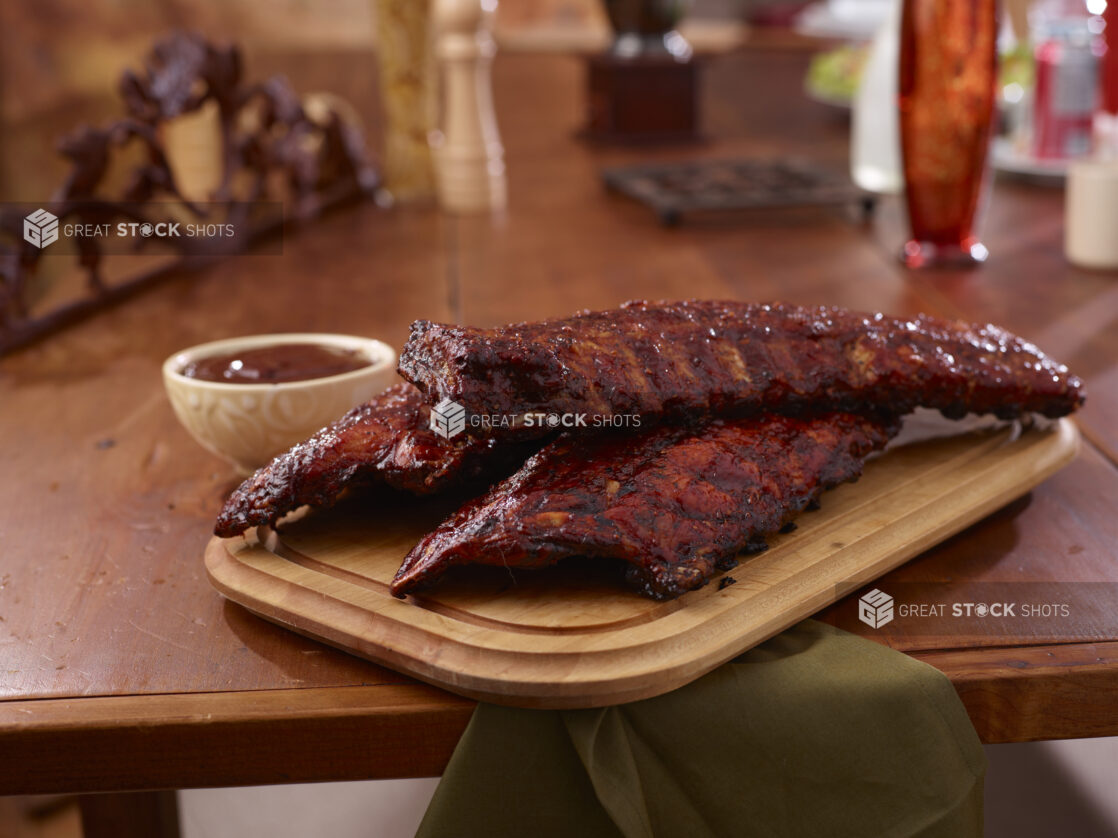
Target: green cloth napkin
816,732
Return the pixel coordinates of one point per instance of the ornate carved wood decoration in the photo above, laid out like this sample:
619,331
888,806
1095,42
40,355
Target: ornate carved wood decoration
271,148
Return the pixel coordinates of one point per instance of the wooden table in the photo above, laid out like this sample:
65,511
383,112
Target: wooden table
123,670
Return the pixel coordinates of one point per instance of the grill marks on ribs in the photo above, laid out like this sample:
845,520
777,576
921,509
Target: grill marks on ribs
704,357
676,504
386,440
675,501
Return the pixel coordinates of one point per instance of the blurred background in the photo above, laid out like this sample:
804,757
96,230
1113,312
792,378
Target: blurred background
60,62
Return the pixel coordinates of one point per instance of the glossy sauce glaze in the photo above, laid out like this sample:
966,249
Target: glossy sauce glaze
690,359
674,503
276,364
388,440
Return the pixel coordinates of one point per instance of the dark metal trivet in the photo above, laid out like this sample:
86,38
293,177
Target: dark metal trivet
672,189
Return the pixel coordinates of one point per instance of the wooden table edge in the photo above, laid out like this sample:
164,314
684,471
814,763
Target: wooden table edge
1030,693
385,731
220,739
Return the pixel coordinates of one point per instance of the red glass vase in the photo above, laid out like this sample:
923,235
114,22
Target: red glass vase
948,72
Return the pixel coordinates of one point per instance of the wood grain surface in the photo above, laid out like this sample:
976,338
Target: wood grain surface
123,668
573,636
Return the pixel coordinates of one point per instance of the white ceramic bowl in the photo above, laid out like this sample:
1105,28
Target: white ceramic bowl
249,424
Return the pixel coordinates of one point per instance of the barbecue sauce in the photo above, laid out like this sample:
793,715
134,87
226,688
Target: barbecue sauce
276,364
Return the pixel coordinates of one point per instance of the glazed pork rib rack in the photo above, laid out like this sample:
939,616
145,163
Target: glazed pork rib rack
386,441
675,504
748,412
688,359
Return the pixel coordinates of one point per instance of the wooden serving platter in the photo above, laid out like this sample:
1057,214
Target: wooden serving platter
573,635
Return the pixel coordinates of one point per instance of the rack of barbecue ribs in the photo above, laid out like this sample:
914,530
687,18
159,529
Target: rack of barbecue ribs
747,412
677,505
705,357
386,441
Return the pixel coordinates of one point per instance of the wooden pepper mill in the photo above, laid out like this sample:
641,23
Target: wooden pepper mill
469,158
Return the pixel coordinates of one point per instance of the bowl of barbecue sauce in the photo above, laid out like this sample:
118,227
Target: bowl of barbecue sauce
248,399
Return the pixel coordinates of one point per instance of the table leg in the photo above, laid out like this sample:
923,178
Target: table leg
143,814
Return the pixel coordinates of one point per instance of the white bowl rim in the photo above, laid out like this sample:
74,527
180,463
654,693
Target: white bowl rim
379,353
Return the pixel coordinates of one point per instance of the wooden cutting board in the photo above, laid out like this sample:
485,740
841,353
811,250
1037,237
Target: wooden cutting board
573,635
